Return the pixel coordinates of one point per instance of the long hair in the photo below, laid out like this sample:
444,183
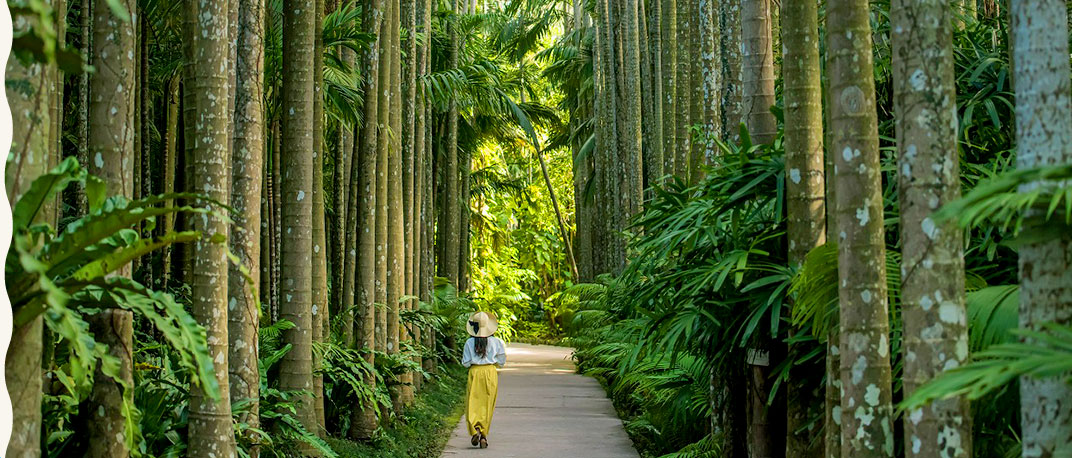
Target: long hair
480,344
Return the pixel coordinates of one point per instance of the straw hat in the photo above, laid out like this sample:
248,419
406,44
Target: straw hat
482,324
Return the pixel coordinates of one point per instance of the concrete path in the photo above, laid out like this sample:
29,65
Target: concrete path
546,410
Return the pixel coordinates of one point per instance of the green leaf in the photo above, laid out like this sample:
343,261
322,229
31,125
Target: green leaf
124,256
43,190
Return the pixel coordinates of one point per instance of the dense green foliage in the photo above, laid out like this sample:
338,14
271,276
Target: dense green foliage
707,277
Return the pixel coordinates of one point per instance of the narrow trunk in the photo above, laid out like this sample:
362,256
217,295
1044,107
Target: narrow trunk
362,220
832,388
247,169
408,91
342,276
758,69
729,12
383,120
805,209
296,289
1039,33
319,243
684,90
395,210
668,48
866,430
654,150
448,231
711,77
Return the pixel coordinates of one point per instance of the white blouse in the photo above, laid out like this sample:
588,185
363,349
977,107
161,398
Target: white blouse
496,353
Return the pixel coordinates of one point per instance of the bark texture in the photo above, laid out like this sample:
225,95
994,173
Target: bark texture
247,169
208,144
363,186
757,57
319,309
296,201
29,93
867,424
1039,35
805,187
932,267
112,158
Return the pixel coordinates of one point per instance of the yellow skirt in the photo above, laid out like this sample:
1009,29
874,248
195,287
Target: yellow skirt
481,391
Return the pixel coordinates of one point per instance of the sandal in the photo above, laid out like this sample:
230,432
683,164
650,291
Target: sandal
476,437
483,441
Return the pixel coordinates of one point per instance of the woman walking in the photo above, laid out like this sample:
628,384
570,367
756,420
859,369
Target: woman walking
482,353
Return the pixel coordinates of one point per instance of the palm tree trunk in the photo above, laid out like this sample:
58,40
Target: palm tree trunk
864,328
448,231
319,252
710,77
296,267
383,145
684,87
408,90
729,12
758,70
933,256
395,207
247,169
363,221
1039,35
112,155
669,57
207,52
30,146
806,212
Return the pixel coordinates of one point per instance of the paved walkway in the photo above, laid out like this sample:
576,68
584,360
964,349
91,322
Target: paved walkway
546,410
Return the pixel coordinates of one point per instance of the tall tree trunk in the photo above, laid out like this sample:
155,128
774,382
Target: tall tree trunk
395,207
806,209
29,92
832,388
247,169
866,431
277,212
465,164
167,222
449,228
296,290
419,64
631,157
729,12
765,421
653,150
696,91
758,70
428,261
112,155
383,119
932,284
364,208
711,77
684,88
342,263
1039,35
319,242
668,47
207,38
408,91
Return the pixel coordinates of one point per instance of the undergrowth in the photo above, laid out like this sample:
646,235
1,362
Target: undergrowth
424,428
